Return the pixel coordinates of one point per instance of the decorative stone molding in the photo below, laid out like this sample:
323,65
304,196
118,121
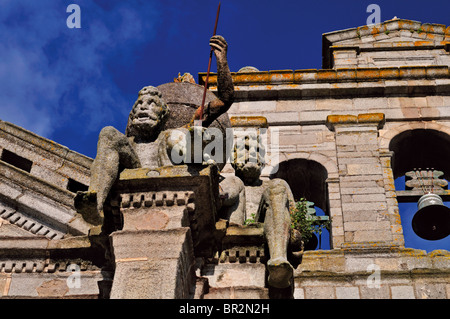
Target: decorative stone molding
356,74
45,266
362,119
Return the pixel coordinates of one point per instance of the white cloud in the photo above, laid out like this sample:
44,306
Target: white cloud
51,75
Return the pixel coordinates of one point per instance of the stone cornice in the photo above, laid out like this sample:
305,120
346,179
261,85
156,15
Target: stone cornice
312,83
40,255
278,77
429,30
45,144
43,207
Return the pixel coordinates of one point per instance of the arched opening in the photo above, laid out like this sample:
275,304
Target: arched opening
307,179
420,156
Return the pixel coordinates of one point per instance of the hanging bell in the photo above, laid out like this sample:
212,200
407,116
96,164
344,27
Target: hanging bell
432,220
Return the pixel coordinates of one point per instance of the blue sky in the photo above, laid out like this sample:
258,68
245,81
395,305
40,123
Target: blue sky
67,84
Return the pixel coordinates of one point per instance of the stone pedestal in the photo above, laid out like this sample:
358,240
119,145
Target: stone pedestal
240,270
153,264
167,219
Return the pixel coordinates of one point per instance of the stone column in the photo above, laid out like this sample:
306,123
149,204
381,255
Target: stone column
168,220
366,221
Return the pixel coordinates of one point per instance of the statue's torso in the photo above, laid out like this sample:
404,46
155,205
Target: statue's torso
148,154
253,196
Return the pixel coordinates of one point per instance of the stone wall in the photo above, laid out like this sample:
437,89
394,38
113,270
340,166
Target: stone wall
377,82
375,274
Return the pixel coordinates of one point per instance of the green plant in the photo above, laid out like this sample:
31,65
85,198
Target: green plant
251,220
304,220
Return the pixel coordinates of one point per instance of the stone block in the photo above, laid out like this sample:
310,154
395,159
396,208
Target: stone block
334,104
402,292
430,290
347,293
368,197
5,282
299,293
295,106
362,190
367,225
237,293
319,292
60,285
285,118
368,206
364,169
153,264
357,264
381,292
257,107
372,236
435,101
235,275
356,139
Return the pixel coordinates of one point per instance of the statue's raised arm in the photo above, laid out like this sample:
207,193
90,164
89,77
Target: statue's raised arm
225,86
147,140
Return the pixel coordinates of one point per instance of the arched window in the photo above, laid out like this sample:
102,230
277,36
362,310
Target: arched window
421,164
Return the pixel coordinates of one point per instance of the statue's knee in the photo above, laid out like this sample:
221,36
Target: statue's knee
109,132
111,138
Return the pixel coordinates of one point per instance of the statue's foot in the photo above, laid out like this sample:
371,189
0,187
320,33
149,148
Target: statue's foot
280,273
86,204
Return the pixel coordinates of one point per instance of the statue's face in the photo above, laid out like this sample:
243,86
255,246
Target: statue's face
248,172
148,113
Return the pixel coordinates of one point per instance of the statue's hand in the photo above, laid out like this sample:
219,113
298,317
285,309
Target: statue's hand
220,47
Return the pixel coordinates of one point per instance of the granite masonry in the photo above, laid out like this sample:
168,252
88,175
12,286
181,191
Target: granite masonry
344,134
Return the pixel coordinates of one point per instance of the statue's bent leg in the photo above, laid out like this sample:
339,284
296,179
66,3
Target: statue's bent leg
113,151
277,230
232,191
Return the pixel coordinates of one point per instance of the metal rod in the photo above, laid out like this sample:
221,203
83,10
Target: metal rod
209,66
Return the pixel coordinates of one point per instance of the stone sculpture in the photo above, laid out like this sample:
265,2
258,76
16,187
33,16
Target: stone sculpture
148,141
268,201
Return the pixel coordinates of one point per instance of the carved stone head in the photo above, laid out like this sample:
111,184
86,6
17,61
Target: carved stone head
148,114
248,159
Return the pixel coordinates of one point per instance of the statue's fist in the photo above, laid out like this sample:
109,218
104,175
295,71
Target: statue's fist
220,47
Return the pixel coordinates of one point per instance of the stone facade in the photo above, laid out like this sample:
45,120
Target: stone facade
377,82
341,128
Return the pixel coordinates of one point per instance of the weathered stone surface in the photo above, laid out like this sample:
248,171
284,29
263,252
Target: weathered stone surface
377,83
237,293
183,99
153,264
235,275
57,285
402,292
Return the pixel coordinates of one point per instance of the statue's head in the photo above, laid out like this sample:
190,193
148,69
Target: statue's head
248,172
148,114
248,159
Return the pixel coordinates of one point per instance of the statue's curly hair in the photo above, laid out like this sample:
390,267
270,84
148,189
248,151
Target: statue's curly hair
163,108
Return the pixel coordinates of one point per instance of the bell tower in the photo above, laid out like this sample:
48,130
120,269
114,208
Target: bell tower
376,117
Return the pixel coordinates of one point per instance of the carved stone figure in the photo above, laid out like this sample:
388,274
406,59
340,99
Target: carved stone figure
267,201
148,141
